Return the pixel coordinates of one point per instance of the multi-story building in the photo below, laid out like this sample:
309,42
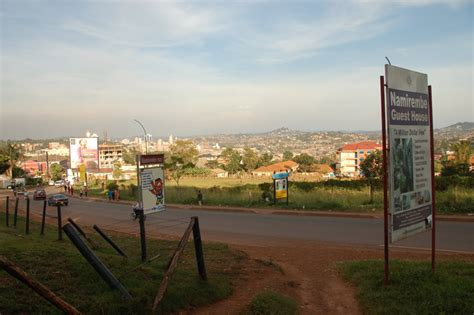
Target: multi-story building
109,154
351,155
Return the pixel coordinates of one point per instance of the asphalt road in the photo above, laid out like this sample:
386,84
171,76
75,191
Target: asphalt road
261,229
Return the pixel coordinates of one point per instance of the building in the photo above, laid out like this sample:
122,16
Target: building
351,155
109,154
268,170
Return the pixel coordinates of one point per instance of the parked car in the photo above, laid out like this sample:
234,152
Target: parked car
59,183
51,183
39,194
20,191
58,199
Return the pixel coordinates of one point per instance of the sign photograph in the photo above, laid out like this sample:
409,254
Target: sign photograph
409,152
152,189
84,151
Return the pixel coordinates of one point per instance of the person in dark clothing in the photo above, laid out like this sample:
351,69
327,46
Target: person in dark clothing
199,197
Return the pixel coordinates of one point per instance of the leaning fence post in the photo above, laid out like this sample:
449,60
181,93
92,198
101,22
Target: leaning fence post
94,261
27,224
60,231
43,217
8,211
109,240
198,248
81,231
15,214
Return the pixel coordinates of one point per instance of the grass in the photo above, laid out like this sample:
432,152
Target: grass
272,303
60,266
245,192
413,288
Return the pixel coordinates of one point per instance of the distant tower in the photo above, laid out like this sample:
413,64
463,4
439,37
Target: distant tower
171,139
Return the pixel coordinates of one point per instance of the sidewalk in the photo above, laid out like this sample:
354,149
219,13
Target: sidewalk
266,211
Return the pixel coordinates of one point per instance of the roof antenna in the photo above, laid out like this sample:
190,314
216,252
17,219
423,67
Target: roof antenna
388,60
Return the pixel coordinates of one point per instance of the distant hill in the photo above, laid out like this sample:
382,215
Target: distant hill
460,126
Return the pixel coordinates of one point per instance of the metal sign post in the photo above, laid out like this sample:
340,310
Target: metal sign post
385,186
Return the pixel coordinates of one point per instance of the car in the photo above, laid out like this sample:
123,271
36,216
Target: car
51,183
58,199
39,194
20,191
59,183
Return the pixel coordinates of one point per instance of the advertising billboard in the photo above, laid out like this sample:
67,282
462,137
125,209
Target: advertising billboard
409,147
281,185
152,189
84,151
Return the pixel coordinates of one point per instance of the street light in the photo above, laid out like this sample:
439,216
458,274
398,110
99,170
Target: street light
146,140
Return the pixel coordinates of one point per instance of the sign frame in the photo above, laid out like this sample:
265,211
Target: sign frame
153,168
280,179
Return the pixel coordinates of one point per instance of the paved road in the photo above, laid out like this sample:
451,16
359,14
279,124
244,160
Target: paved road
261,229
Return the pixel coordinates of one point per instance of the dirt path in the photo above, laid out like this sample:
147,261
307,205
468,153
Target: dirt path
308,273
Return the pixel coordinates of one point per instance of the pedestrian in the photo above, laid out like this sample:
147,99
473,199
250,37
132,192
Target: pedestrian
65,187
72,191
199,196
81,192
86,190
116,194
110,194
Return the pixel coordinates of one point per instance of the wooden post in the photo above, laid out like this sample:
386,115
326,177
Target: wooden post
60,231
15,214
43,291
43,217
172,266
80,230
110,241
7,209
27,225
198,249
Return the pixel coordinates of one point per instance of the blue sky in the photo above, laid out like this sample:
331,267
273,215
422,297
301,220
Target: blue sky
190,68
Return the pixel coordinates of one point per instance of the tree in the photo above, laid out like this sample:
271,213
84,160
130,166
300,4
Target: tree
287,155
212,164
57,171
462,152
461,162
232,160
372,169
265,159
305,161
11,154
249,159
183,155
129,156
117,170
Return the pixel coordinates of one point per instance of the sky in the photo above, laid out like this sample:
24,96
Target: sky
206,67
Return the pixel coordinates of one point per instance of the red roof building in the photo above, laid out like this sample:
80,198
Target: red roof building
268,170
351,155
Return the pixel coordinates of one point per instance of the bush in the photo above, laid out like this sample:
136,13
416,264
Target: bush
112,186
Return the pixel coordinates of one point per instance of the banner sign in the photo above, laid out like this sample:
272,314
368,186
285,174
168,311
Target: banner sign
280,175
152,159
281,191
84,151
409,159
152,189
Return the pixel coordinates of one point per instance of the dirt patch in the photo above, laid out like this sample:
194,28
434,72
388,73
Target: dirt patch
307,272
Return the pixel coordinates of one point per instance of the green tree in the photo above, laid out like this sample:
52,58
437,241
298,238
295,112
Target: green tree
212,164
117,170
10,154
265,159
57,171
372,169
232,160
130,156
305,161
183,156
249,159
287,155
462,152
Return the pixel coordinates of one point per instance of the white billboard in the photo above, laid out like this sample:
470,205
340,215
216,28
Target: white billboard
152,185
84,151
409,148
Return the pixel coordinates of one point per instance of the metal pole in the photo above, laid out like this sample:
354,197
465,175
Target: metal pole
141,218
146,140
433,184
15,214
274,193
287,190
385,185
94,261
60,231
43,217
198,248
27,225
109,240
7,211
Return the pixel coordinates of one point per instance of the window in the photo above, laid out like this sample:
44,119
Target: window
361,152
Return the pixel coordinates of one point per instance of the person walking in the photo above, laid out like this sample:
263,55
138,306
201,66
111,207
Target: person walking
81,192
72,191
86,190
199,197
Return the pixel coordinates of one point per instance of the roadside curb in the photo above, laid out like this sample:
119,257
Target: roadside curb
356,215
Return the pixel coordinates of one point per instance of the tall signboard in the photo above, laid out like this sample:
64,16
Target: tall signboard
280,184
84,151
409,152
152,184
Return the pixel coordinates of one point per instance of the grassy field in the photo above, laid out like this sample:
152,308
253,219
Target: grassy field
247,192
60,266
272,303
413,288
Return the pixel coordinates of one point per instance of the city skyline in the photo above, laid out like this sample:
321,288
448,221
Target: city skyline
187,69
